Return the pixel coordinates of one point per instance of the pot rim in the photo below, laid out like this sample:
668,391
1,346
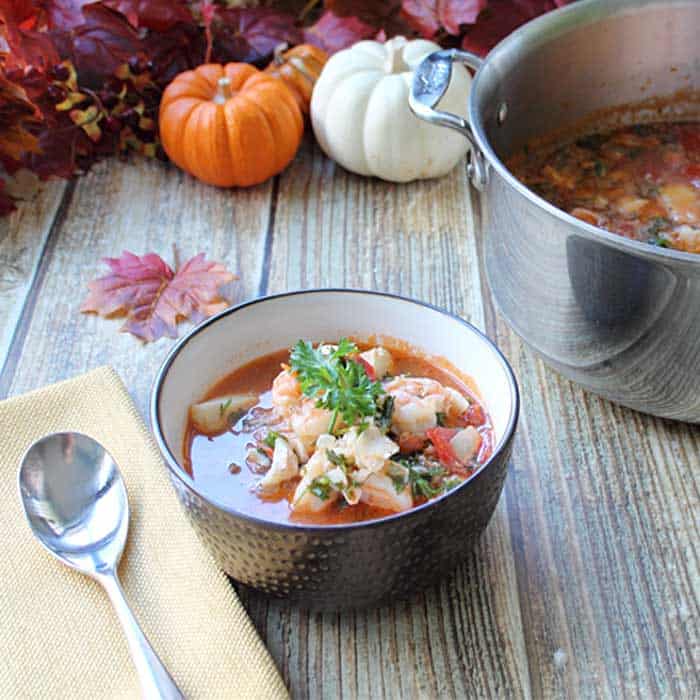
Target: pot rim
176,471
553,24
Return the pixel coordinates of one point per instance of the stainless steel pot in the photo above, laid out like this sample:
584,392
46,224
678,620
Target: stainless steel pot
617,316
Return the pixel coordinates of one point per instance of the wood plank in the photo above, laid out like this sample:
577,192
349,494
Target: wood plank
464,637
23,237
140,206
603,505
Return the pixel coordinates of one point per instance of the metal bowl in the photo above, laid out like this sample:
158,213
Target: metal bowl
340,566
619,317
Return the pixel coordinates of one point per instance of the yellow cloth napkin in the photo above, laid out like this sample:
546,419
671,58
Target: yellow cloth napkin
58,635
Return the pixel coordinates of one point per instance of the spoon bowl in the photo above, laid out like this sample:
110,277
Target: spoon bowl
76,505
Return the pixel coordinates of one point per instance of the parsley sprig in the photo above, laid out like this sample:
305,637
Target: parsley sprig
338,383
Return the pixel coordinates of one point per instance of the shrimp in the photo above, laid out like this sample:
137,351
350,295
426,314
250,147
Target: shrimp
418,400
309,422
286,392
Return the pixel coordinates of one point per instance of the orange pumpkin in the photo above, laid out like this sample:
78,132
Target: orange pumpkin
299,68
230,125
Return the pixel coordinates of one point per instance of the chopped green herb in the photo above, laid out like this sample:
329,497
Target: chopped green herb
658,223
452,483
321,487
223,407
440,418
658,242
426,481
600,168
335,381
385,413
338,460
270,438
398,476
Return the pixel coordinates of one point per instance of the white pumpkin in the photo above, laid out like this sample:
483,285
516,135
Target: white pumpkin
361,117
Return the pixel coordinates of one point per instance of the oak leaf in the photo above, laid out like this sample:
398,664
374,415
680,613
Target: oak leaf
153,297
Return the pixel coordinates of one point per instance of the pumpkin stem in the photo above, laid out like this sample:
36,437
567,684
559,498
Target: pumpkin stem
394,60
277,57
223,91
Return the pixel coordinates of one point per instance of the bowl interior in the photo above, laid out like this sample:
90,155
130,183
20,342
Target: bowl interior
238,336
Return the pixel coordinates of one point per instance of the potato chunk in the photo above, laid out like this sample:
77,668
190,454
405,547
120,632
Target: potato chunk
211,417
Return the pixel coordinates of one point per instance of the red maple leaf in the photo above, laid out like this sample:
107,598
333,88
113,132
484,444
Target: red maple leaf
500,18
251,34
17,114
427,16
158,15
333,33
385,15
153,297
99,45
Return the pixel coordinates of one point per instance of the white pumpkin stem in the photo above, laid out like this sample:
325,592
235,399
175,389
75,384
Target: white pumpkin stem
223,91
394,61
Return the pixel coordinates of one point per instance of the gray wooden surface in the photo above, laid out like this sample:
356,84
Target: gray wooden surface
586,582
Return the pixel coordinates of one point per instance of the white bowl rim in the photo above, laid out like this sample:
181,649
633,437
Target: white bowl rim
182,476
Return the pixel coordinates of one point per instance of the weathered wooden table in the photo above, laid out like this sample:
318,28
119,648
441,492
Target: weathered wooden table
586,583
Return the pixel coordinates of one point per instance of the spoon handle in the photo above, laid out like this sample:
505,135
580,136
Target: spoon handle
156,682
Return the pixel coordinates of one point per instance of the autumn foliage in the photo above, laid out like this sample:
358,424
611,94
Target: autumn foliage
83,80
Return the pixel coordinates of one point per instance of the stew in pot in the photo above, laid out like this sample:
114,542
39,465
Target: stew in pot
641,181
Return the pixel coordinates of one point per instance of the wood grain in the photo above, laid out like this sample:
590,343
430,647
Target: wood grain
586,582
23,237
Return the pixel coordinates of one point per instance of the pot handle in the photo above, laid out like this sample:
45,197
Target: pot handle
430,83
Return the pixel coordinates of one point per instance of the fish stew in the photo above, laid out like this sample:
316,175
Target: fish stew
333,434
641,181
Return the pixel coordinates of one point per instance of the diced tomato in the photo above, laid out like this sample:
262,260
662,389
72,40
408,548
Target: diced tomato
410,442
440,437
368,367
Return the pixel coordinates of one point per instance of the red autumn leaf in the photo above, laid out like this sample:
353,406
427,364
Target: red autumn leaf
17,114
251,34
333,33
454,13
28,46
153,297
427,16
385,15
500,18
97,47
422,15
62,15
158,15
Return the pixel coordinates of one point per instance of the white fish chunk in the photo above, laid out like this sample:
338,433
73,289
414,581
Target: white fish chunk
285,466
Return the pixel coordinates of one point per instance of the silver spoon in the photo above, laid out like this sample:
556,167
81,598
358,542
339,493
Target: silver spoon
75,501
